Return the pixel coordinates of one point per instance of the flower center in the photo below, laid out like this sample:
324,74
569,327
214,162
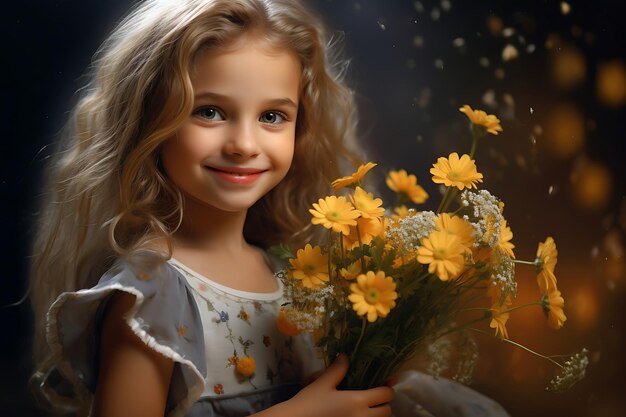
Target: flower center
372,296
332,215
453,175
440,253
309,269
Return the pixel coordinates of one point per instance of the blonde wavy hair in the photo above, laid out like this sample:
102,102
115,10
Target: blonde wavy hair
106,194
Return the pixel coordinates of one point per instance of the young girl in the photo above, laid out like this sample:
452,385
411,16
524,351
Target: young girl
208,128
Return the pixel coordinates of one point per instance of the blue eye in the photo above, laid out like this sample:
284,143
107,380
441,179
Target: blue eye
272,117
209,113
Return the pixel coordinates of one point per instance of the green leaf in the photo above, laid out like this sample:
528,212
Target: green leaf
281,251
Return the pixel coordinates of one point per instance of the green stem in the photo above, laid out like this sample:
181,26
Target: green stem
486,316
521,306
443,200
358,342
358,236
518,261
330,248
474,144
521,346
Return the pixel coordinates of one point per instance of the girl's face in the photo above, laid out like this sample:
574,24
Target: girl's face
238,142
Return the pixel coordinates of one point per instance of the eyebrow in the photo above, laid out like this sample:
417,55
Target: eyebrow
286,101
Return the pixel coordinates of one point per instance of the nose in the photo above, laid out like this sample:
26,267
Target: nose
242,141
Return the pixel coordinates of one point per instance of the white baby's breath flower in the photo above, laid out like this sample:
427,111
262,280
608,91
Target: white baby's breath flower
572,372
503,272
486,218
408,231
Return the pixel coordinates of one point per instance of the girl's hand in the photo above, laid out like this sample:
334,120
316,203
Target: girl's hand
322,399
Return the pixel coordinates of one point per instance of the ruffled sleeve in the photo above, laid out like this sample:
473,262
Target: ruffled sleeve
164,316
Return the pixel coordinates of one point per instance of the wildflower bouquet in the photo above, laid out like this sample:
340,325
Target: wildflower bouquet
386,285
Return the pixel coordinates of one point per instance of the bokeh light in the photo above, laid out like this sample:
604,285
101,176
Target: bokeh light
611,83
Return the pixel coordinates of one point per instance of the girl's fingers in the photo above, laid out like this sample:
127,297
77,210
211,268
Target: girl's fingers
380,411
380,395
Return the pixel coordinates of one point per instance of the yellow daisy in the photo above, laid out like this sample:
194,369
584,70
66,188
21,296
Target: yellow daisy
545,263
366,203
443,253
403,183
505,239
373,294
479,118
456,172
352,271
400,212
310,267
553,304
369,228
356,177
458,227
499,317
334,213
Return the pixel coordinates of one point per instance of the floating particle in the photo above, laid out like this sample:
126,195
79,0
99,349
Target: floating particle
420,139
439,63
610,285
410,63
508,100
611,83
494,24
520,161
595,251
381,24
499,73
508,32
553,41
458,42
613,243
419,6
357,7
435,14
489,98
565,8
446,5
532,110
533,139
509,53
418,41
424,99
552,189
483,61
590,38
530,48
537,130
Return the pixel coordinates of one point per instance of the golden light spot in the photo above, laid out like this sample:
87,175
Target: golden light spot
569,67
611,83
591,185
583,306
565,131
495,25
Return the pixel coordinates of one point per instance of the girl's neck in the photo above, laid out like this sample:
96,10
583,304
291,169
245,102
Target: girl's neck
206,228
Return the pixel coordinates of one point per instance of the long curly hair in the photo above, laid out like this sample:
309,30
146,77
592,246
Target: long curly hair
107,196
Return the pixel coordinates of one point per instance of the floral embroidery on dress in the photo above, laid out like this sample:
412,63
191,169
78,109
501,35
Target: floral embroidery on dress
266,341
218,389
258,307
182,329
243,315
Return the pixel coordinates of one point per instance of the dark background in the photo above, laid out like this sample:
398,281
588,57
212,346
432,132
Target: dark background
558,164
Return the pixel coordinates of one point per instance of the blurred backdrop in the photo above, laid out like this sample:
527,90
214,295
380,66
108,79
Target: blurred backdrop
553,71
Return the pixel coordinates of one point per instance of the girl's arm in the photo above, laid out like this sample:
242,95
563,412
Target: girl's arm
133,380
322,399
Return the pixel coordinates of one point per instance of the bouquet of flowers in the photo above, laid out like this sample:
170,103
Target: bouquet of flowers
386,284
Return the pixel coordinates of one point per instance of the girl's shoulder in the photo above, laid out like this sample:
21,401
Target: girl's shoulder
164,317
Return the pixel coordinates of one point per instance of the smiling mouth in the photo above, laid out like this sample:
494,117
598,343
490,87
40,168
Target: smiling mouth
240,176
